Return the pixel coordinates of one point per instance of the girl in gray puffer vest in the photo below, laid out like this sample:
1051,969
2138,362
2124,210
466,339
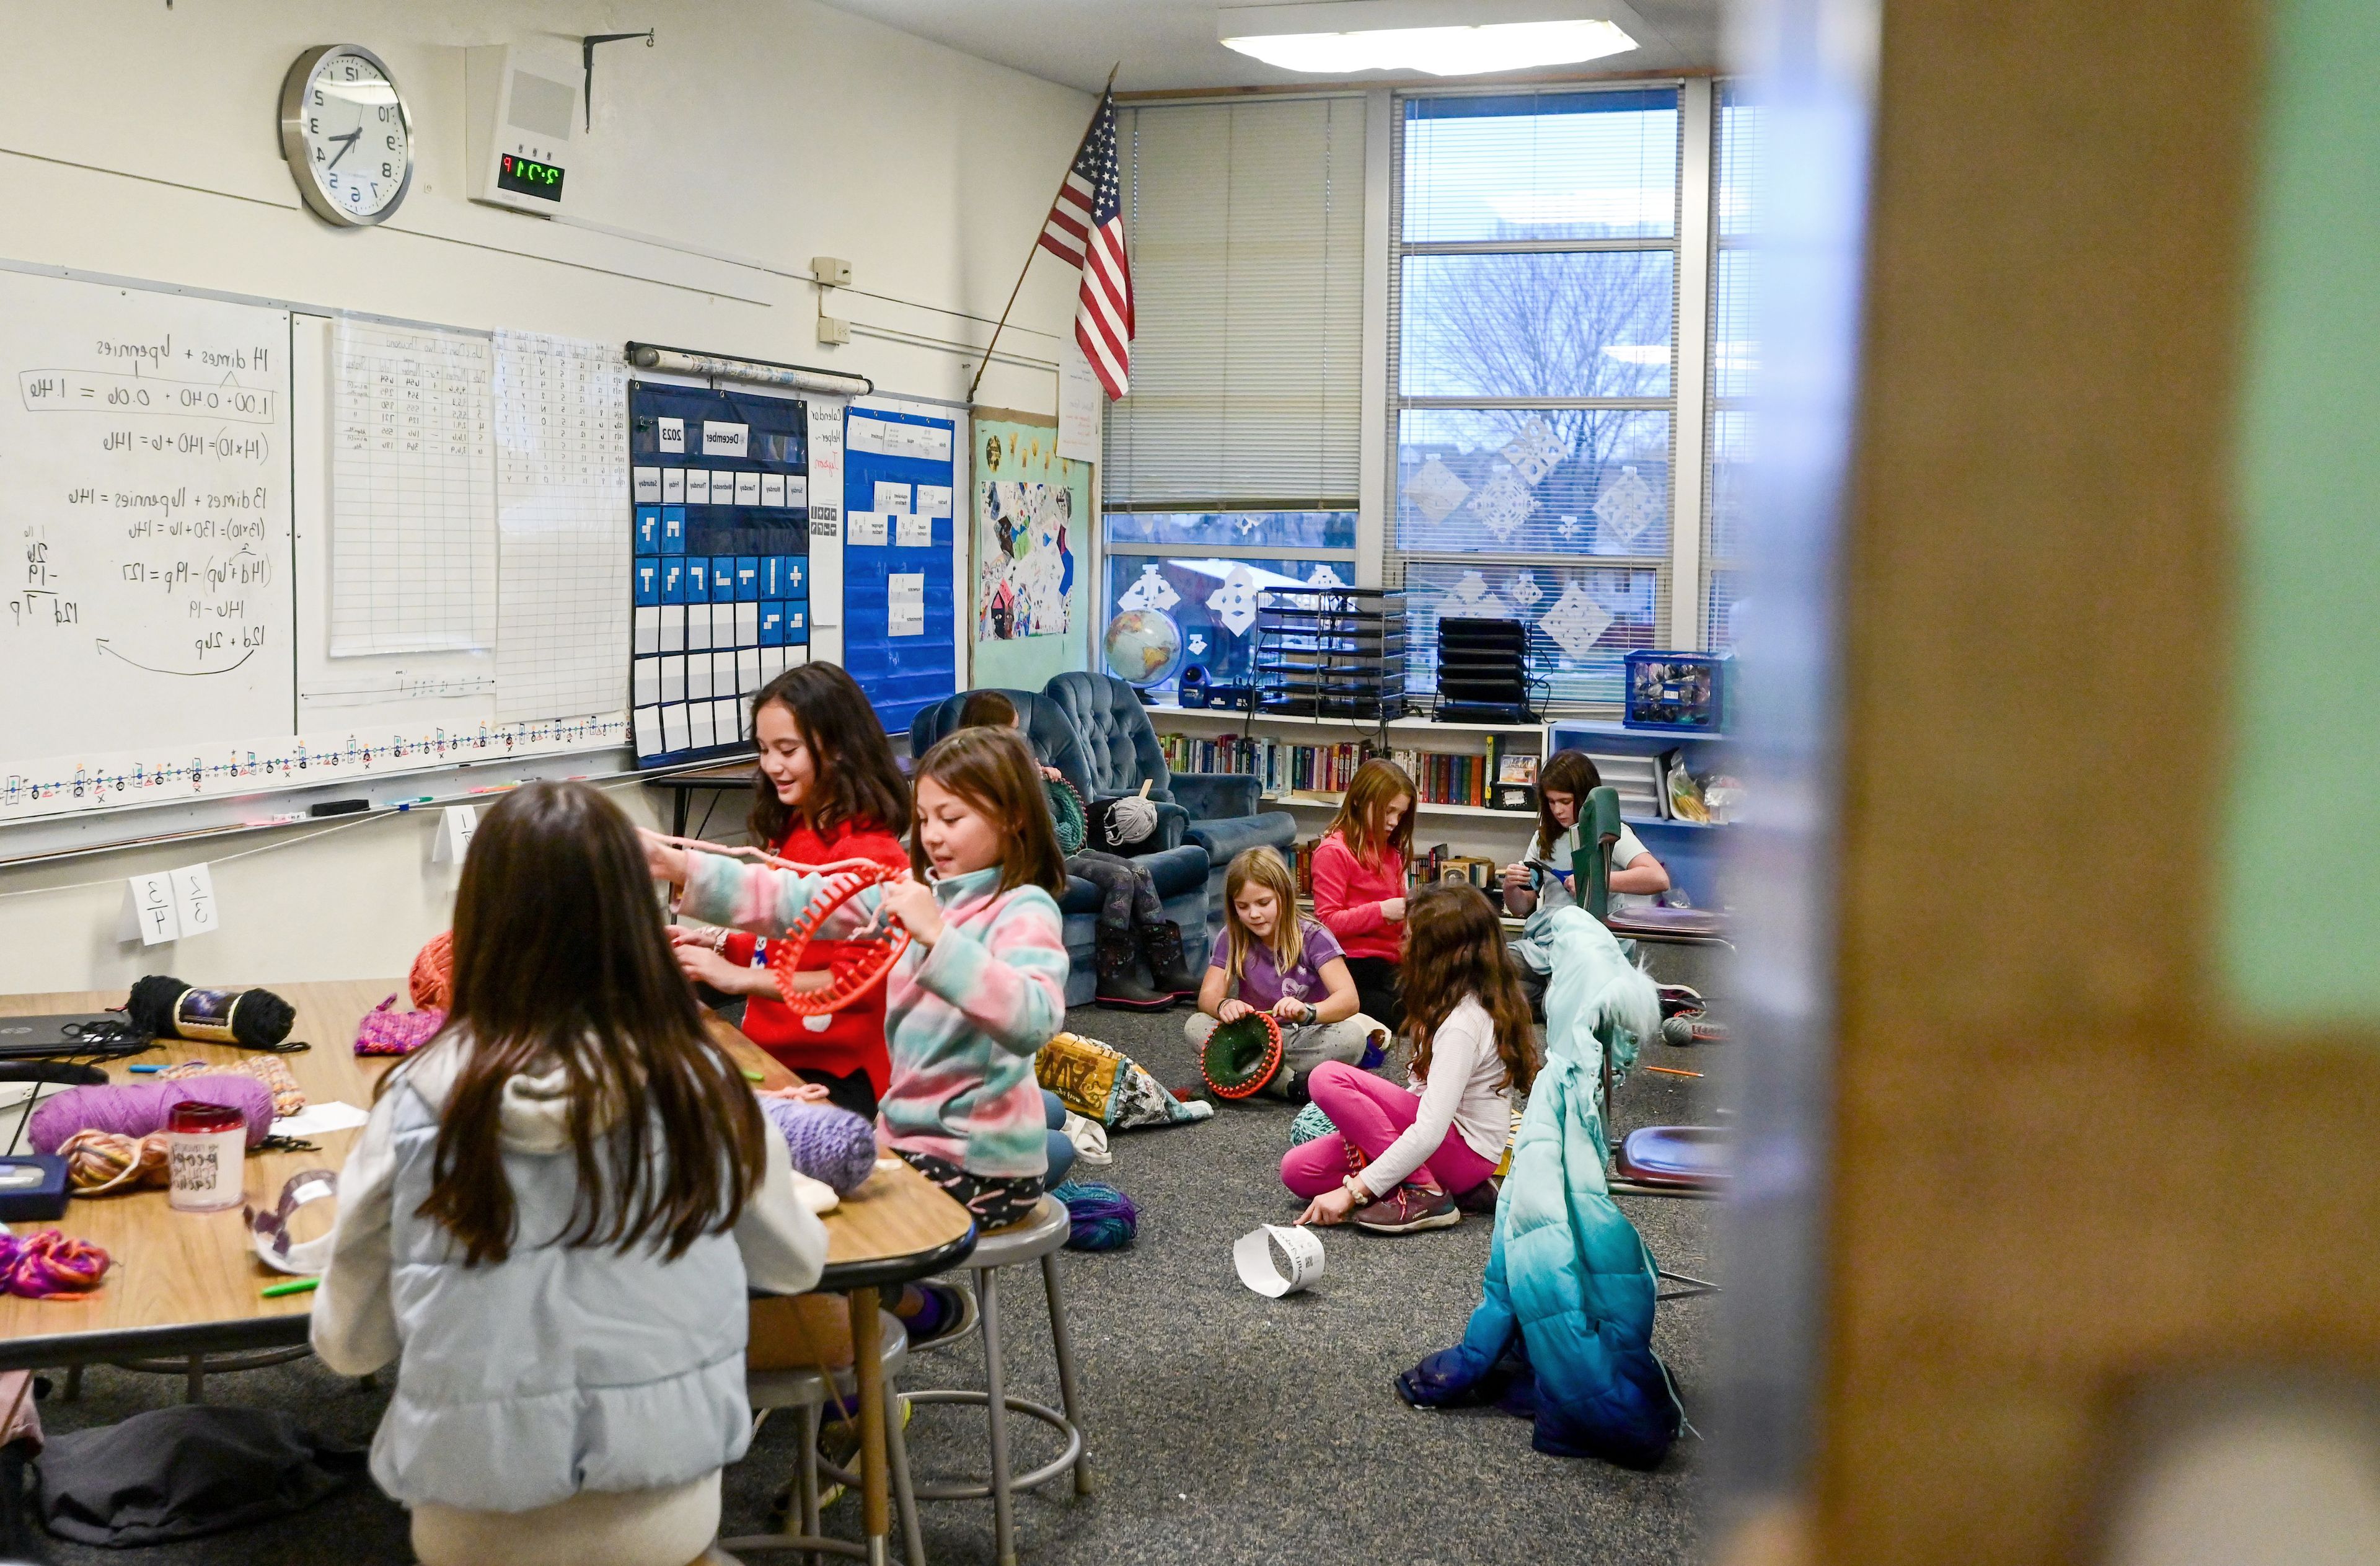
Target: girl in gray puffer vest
553,1218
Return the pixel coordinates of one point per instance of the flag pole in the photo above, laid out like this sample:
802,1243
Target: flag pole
1036,237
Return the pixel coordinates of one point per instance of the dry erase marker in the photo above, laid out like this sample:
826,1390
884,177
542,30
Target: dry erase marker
145,1069
409,804
294,1286
749,1075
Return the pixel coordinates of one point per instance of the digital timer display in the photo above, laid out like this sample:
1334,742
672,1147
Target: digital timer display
528,178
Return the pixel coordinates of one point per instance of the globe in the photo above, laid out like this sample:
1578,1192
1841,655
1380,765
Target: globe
1143,646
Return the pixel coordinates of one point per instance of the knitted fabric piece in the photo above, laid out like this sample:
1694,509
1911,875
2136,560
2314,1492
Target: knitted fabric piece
271,1070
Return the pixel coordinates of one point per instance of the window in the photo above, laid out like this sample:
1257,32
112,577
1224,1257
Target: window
1735,352
1232,467
1533,330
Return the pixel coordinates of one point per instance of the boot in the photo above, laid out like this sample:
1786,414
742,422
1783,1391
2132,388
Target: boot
1120,987
1161,941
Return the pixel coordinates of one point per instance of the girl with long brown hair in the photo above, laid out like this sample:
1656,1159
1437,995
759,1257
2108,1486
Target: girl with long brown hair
554,1216
1422,1153
1359,880
981,988
827,789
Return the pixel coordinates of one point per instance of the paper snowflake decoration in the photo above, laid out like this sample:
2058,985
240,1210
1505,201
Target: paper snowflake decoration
1152,591
1534,451
1234,604
1470,591
1524,591
1436,491
1198,643
1569,527
1627,507
1325,577
1502,506
1247,525
1575,621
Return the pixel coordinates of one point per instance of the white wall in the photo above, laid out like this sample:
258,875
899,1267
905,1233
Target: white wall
142,141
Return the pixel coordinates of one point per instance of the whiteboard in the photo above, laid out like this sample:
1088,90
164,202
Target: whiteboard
168,609
145,499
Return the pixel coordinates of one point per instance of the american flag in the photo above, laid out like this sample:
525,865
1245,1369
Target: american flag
1086,228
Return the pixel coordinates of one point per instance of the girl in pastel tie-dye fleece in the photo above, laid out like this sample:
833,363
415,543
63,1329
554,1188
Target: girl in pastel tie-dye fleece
980,990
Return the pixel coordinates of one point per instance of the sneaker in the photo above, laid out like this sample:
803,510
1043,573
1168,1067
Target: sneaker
1407,1208
948,1313
1680,1000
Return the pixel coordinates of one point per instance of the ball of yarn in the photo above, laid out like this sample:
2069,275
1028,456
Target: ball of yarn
1130,820
1101,1218
432,981
1309,1123
136,1108
44,1266
260,1021
829,1145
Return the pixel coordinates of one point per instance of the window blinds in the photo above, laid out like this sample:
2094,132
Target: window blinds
1247,227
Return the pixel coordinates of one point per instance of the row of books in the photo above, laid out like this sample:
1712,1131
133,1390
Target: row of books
1281,766
1426,867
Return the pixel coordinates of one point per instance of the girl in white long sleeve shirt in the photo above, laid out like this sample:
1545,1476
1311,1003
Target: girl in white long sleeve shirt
1402,1159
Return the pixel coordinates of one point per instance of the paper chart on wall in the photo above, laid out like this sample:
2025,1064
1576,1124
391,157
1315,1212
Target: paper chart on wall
413,513
561,484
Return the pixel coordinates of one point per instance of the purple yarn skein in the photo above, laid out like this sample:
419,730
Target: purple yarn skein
830,1144
136,1108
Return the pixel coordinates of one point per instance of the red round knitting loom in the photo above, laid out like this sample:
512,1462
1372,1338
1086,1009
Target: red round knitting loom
852,974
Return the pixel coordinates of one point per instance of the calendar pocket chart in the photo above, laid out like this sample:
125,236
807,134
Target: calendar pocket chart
720,591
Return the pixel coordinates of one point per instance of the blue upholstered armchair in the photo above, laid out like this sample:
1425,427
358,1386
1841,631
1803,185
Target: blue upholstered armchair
1120,745
1179,869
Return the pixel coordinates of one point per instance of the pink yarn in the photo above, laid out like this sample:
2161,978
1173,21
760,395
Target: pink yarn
49,1264
136,1108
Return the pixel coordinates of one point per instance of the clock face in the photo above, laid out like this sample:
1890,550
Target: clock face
344,130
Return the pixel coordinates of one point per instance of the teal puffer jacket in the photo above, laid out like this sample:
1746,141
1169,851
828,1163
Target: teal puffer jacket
1564,1329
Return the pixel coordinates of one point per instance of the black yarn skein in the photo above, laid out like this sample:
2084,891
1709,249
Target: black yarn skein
261,1021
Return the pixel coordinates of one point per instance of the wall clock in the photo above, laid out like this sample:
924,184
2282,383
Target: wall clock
346,134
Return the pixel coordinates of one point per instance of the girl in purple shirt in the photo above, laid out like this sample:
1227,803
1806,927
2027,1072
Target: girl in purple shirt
1272,960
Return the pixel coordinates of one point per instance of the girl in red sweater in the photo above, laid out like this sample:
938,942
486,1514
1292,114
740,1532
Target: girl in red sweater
827,789
1359,882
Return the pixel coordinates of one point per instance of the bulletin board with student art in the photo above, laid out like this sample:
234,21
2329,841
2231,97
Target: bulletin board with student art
1033,527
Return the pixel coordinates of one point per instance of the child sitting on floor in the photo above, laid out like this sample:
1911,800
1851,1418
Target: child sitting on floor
1273,960
1402,1158
981,988
552,1217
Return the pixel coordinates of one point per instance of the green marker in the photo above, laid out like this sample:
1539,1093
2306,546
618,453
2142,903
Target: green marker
751,1076
294,1286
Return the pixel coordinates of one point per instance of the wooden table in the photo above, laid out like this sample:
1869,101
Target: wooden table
730,777
189,1284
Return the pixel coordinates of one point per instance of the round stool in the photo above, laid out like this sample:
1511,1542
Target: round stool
1037,1237
808,1391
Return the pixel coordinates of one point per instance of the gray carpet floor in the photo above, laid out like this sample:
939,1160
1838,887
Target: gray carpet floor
1224,1427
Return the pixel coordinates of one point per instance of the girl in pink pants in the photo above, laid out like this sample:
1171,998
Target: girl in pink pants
1400,1158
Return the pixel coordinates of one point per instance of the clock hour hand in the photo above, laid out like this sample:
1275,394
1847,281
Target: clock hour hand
347,144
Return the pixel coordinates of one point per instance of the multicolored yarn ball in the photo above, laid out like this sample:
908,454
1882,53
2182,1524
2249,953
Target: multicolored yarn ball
288,1099
829,1145
136,1108
101,1161
1310,1123
50,1264
432,981
1102,1217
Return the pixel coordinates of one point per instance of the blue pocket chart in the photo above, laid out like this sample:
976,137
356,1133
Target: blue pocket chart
899,625
725,544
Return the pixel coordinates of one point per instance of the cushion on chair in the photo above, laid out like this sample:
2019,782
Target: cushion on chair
1217,795
1224,839
1046,725
1118,742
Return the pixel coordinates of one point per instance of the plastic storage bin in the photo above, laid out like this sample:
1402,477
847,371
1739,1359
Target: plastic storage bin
1677,692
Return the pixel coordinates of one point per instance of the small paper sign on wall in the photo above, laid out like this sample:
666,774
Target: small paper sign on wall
169,905
455,825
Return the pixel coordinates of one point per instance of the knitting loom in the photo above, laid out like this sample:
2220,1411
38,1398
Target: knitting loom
852,973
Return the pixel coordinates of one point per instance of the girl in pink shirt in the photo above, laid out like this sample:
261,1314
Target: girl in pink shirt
1359,881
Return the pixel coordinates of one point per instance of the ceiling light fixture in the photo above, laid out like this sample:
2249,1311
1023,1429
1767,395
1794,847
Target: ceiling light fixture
1474,38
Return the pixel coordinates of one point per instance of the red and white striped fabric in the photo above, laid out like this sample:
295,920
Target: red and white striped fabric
1086,228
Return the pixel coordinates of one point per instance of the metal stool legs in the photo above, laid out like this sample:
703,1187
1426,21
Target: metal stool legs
1003,1526
1062,1343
